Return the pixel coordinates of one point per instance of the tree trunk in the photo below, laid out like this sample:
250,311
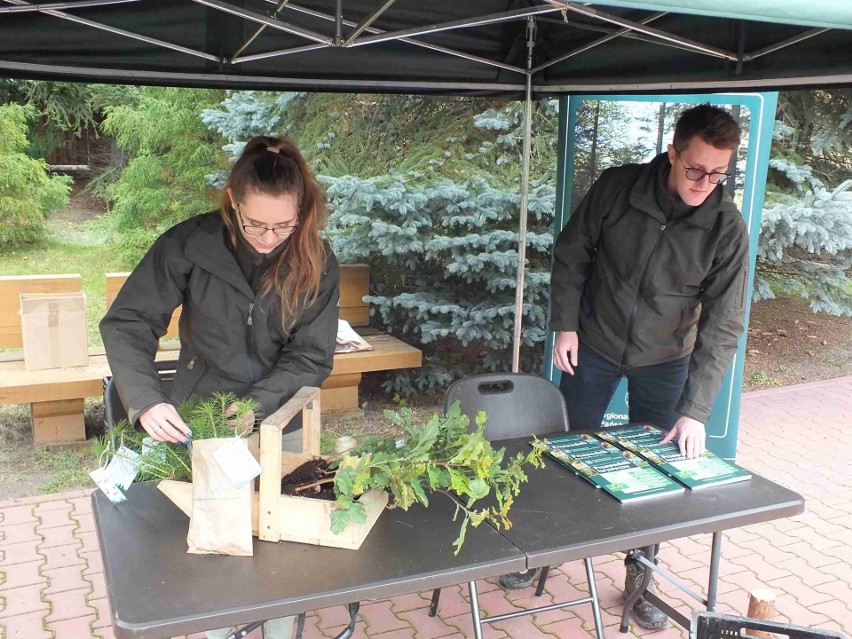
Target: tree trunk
731,184
661,125
594,151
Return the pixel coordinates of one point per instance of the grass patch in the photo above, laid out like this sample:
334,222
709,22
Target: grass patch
765,379
65,470
80,248
27,470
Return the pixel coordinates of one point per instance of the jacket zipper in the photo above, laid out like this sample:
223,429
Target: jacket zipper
635,309
249,356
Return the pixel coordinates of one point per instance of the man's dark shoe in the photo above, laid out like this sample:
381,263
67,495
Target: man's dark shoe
647,615
518,580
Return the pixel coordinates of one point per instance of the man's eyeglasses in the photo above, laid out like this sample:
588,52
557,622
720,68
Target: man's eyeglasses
255,230
696,175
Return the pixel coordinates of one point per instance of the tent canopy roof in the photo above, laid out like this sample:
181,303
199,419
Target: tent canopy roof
439,46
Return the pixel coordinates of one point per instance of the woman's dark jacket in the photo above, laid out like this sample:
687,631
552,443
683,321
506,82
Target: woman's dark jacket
230,339
645,283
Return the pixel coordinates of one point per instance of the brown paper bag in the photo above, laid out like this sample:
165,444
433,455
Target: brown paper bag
53,330
221,514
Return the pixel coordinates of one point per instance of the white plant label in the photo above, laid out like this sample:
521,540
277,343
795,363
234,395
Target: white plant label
123,468
107,485
237,462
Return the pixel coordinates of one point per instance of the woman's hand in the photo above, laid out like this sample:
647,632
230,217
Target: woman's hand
163,423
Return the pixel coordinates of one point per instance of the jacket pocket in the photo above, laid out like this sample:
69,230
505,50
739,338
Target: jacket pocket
187,378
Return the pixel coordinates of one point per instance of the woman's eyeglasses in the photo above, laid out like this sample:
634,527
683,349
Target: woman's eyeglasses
696,175
255,230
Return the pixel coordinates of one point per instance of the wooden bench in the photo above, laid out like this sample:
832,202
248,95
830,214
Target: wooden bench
55,420
57,394
340,390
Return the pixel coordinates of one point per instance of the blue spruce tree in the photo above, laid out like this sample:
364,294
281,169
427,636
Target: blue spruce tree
427,192
806,239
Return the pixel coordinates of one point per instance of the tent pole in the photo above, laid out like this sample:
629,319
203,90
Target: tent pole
467,23
525,190
598,42
350,23
122,32
260,30
692,45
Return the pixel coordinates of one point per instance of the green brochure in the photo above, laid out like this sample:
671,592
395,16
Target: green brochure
622,474
696,473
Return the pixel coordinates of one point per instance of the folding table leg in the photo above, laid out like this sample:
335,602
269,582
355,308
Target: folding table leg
540,587
245,630
436,597
300,625
474,610
713,583
593,594
645,557
242,632
349,630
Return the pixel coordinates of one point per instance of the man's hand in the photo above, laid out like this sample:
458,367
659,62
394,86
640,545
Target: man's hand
565,351
163,423
245,424
690,436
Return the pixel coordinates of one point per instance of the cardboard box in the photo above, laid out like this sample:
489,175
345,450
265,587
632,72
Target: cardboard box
53,326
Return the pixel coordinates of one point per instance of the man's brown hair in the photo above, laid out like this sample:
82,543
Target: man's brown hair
713,125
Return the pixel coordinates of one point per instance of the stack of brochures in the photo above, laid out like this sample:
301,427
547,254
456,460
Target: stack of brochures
630,464
621,473
348,341
699,472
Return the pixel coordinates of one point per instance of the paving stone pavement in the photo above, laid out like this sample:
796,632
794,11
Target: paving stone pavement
52,584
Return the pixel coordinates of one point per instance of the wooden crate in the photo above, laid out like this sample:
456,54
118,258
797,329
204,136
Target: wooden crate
277,517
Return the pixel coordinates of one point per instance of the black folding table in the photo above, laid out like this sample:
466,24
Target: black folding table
560,517
157,590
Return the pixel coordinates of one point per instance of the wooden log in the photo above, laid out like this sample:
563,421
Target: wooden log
761,605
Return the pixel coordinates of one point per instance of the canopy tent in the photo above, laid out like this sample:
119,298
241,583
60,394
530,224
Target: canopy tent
504,47
439,46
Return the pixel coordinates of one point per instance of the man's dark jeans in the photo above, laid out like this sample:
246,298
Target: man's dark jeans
654,390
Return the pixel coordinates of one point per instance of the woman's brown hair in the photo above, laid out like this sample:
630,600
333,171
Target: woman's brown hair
274,166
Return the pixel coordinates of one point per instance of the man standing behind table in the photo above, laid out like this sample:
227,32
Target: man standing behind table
649,283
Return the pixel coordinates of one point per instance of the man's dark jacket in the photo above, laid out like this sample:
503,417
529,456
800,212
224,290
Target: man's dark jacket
643,287
230,339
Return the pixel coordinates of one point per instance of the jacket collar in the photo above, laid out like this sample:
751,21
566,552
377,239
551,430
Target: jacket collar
643,197
207,248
